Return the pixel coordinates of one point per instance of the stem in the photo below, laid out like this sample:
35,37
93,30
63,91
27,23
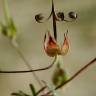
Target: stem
74,76
78,72
54,22
6,11
27,71
42,89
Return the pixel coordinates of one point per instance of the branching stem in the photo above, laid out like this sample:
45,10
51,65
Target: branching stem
28,71
74,76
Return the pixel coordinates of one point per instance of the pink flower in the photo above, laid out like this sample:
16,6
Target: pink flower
52,48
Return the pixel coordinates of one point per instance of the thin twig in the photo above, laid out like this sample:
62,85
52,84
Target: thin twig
74,76
42,89
35,70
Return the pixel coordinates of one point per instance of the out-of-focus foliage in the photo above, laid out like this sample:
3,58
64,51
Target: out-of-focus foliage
21,93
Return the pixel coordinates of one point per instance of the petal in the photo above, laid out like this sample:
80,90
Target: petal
50,46
65,46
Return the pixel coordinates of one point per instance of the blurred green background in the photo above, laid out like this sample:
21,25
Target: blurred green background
82,37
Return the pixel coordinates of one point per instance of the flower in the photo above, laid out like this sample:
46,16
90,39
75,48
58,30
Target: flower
52,48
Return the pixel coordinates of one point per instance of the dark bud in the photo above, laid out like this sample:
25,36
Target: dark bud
39,17
60,15
72,15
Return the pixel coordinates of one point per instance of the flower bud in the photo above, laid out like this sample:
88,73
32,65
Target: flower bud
59,76
39,17
60,15
72,15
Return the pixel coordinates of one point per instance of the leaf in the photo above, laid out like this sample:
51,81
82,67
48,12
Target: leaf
16,94
23,94
12,29
32,89
9,30
20,93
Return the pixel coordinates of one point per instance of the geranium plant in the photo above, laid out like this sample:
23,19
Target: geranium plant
51,48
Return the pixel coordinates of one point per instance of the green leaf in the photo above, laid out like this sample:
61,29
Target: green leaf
32,89
11,29
16,94
20,93
23,94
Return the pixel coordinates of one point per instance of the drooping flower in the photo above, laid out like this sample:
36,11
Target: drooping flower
52,48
